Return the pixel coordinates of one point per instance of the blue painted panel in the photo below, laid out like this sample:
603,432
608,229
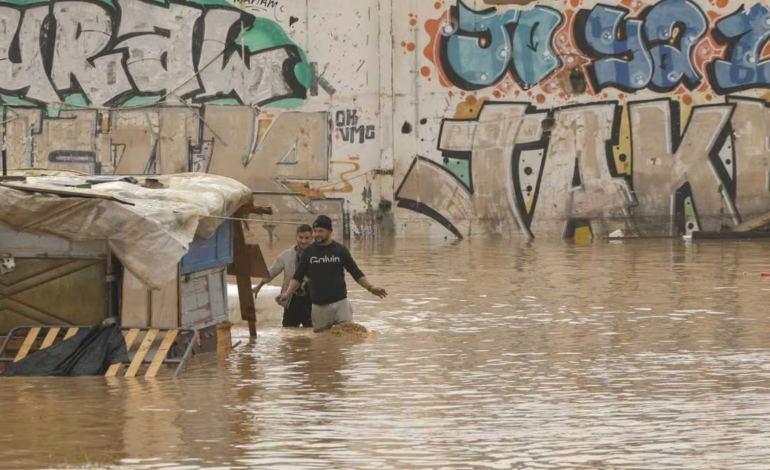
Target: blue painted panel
212,252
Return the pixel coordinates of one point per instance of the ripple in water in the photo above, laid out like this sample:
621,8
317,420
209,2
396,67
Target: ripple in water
643,355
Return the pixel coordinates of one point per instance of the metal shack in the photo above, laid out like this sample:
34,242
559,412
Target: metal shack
151,251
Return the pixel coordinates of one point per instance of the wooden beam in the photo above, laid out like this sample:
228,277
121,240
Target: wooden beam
31,337
141,353
50,337
161,353
242,269
70,333
753,224
130,337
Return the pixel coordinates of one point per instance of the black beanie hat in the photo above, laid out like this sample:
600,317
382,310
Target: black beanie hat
323,222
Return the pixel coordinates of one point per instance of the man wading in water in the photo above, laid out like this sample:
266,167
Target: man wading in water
296,312
324,263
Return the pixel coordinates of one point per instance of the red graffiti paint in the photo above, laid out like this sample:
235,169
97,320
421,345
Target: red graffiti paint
431,51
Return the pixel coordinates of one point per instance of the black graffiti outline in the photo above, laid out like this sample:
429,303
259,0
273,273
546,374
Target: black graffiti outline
581,20
542,144
457,80
735,100
421,208
518,149
681,27
677,136
112,48
731,44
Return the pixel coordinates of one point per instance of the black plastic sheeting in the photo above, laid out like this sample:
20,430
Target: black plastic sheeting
90,352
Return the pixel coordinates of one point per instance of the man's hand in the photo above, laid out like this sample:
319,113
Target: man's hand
379,292
282,299
256,290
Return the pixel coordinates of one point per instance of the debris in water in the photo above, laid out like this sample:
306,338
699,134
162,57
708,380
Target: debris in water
351,329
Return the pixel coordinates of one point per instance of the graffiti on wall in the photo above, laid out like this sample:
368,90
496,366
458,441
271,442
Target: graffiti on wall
151,87
597,118
348,128
262,150
130,52
630,47
539,171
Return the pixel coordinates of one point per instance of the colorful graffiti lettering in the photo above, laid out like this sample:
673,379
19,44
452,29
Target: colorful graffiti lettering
745,33
477,49
535,170
658,47
108,54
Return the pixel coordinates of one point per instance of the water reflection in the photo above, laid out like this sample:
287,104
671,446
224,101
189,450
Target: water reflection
644,354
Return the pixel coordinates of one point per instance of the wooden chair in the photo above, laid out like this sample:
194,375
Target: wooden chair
148,348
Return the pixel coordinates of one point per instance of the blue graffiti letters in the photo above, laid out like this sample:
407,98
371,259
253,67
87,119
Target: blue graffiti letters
623,63
533,55
682,22
653,51
745,33
479,47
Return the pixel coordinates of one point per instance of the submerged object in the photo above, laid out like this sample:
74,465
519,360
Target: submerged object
351,329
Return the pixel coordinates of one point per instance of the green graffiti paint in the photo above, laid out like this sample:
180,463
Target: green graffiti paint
262,34
266,34
13,101
460,168
139,101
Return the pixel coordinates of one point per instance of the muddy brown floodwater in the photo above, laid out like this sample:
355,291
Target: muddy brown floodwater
498,355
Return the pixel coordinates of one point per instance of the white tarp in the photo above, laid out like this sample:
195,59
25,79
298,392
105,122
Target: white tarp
149,237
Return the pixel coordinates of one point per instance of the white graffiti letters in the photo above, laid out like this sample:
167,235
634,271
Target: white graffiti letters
83,31
705,171
173,51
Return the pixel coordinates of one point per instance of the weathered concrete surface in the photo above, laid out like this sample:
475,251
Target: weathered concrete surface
492,118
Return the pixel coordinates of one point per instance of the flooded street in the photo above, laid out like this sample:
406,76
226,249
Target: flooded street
501,355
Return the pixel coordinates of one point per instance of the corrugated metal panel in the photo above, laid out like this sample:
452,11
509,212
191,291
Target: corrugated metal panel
53,292
210,253
204,298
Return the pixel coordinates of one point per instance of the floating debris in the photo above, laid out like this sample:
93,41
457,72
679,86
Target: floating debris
351,329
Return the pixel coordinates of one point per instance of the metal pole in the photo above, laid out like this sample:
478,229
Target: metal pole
5,161
276,193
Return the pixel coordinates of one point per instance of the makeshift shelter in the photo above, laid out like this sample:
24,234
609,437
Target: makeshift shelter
148,250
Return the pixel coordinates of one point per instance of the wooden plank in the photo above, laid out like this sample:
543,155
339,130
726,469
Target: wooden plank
31,337
141,353
257,265
71,332
241,263
130,337
753,224
135,302
50,337
162,352
164,305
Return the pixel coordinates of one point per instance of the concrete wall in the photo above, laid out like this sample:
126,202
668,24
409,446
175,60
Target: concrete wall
410,117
